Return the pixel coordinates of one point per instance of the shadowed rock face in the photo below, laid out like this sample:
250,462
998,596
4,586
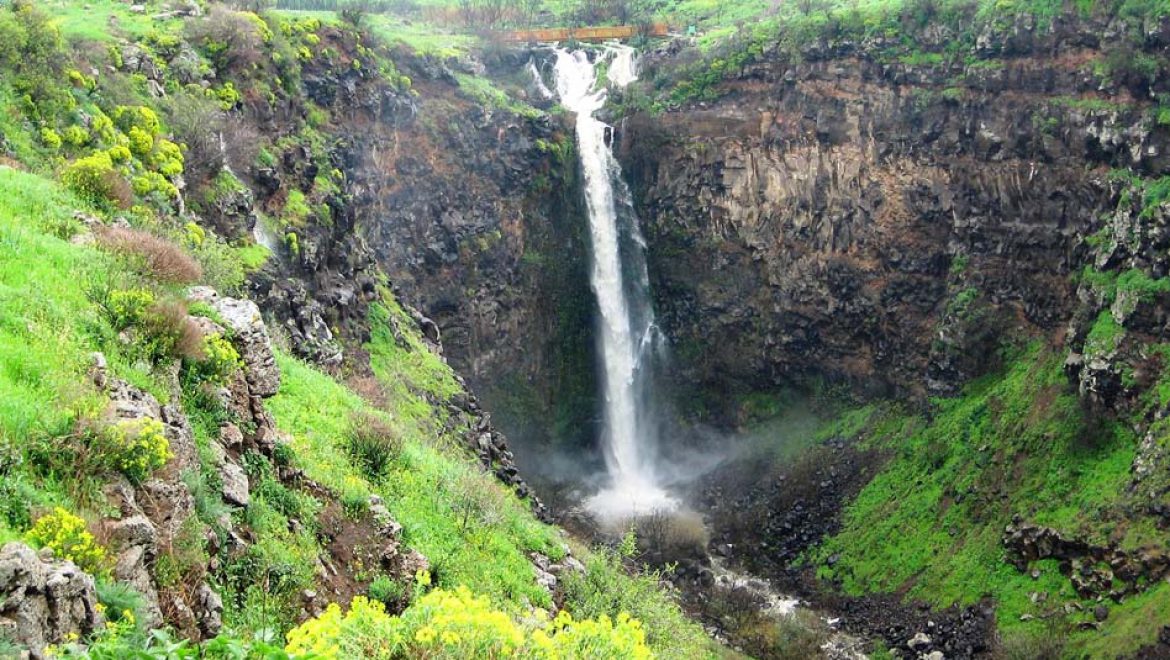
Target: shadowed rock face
879,224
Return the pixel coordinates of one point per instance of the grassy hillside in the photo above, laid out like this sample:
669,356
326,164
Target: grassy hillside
475,533
931,523
84,150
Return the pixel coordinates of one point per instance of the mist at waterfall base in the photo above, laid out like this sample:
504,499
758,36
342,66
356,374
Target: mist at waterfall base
628,340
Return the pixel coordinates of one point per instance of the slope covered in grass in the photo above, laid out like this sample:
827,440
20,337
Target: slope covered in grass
931,523
475,533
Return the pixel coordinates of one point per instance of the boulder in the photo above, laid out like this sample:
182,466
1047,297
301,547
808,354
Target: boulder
44,600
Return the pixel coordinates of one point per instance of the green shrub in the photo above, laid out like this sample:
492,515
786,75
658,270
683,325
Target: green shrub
136,448
605,588
76,136
65,534
141,117
92,177
372,444
141,142
153,183
227,96
121,602
50,138
387,591
167,158
119,154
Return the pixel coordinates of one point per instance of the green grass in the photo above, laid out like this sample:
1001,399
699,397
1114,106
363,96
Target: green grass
930,524
104,20
428,489
485,92
49,326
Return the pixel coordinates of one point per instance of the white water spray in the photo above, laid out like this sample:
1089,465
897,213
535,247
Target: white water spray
538,80
627,323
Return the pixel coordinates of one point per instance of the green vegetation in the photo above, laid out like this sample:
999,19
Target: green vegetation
727,47
475,533
930,523
457,624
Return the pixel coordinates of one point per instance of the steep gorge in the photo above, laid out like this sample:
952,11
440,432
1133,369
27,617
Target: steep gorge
852,214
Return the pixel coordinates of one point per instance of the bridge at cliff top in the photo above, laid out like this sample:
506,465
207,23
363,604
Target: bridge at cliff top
589,33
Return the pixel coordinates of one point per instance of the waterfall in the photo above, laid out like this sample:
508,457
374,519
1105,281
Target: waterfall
618,277
538,80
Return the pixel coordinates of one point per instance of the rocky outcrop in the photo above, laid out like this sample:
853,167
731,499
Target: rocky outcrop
849,215
1095,571
44,601
250,337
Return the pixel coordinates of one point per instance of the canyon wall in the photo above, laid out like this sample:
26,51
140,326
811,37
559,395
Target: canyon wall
883,221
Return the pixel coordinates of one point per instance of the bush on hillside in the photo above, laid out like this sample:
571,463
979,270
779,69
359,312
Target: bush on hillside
458,624
170,332
94,179
371,444
66,535
159,257
136,448
230,39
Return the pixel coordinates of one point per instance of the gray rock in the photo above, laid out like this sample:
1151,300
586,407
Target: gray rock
250,338
235,484
44,600
209,610
230,436
919,642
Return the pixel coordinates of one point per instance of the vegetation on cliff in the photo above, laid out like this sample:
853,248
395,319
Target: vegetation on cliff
135,121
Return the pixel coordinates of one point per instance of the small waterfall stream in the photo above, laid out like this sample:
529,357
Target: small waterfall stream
619,281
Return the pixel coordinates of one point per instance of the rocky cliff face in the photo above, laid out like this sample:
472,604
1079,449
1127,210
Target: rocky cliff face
881,221
467,205
475,215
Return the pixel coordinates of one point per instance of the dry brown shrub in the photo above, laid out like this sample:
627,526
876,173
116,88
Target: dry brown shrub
164,260
118,190
168,324
368,388
665,536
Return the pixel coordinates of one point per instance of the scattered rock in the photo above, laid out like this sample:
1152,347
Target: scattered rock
919,642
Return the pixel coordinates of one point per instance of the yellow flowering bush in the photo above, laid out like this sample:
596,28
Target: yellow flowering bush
623,639
119,154
168,158
153,182
136,448
50,138
76,136
103,128
141,117
90,177
141,142
459,624
365,631
128,306
67,536
219,360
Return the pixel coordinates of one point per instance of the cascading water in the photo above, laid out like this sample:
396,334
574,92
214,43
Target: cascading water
626,328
